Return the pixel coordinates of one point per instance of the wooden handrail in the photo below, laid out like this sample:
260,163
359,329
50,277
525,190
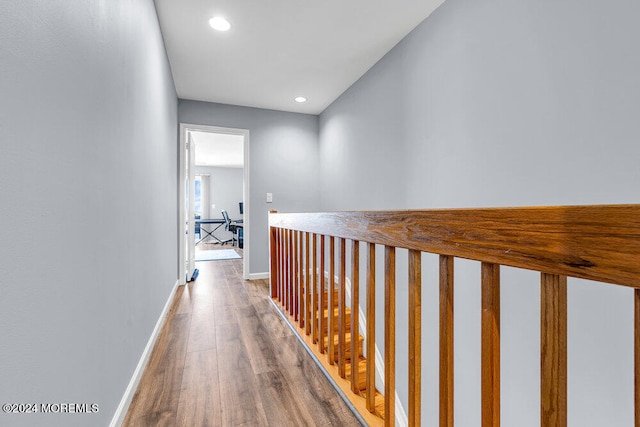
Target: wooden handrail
599,242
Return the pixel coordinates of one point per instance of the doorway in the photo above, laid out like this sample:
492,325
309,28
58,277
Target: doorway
214,175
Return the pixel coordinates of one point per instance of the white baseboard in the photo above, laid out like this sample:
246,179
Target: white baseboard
258,276
121,412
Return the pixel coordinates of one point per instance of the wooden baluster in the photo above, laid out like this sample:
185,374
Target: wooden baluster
314,292
279,240
283,266
292,273
283,242
553,348
331,329
636,330
279,263
490,347
389,335
296,277
276,234
300,302
307,287
273,262
415,335
355,311
342,301
291,281
287,275
303,284
446,341
283,271
371,327
322,330
280,269
283,261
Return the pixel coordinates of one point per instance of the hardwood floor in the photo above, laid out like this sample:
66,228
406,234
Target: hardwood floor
225,357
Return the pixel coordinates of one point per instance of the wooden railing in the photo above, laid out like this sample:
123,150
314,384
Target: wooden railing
600,243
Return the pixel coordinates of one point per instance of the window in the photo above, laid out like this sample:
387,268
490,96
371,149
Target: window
198,197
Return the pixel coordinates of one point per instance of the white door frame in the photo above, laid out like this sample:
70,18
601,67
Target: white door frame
185,128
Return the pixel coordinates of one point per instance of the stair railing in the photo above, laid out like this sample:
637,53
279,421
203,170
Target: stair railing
600,243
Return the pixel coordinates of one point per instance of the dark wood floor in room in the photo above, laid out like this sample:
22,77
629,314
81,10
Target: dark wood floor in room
225,357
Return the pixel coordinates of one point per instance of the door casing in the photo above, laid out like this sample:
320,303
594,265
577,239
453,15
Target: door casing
186,261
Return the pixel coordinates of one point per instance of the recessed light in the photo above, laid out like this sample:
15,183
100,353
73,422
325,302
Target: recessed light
219,23
300,99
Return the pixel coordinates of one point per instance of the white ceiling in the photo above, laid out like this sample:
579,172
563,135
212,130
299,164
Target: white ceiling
218,149
279,49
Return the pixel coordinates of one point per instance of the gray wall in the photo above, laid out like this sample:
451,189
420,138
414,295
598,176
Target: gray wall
88,219
503,103
283,160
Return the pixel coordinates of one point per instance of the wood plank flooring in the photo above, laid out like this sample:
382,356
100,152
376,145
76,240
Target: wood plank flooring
225,357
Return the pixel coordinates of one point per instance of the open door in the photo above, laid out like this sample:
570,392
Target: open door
191,216
186,208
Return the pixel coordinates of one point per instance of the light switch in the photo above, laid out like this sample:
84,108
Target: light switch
269,197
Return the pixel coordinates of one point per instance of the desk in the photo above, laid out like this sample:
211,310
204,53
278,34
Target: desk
201,222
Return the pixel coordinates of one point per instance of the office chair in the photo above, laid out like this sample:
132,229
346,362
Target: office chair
230,226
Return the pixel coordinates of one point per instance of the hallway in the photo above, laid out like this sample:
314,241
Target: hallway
225,357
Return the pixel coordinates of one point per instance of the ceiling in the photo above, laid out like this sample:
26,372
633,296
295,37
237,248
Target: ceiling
218,149
277,50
